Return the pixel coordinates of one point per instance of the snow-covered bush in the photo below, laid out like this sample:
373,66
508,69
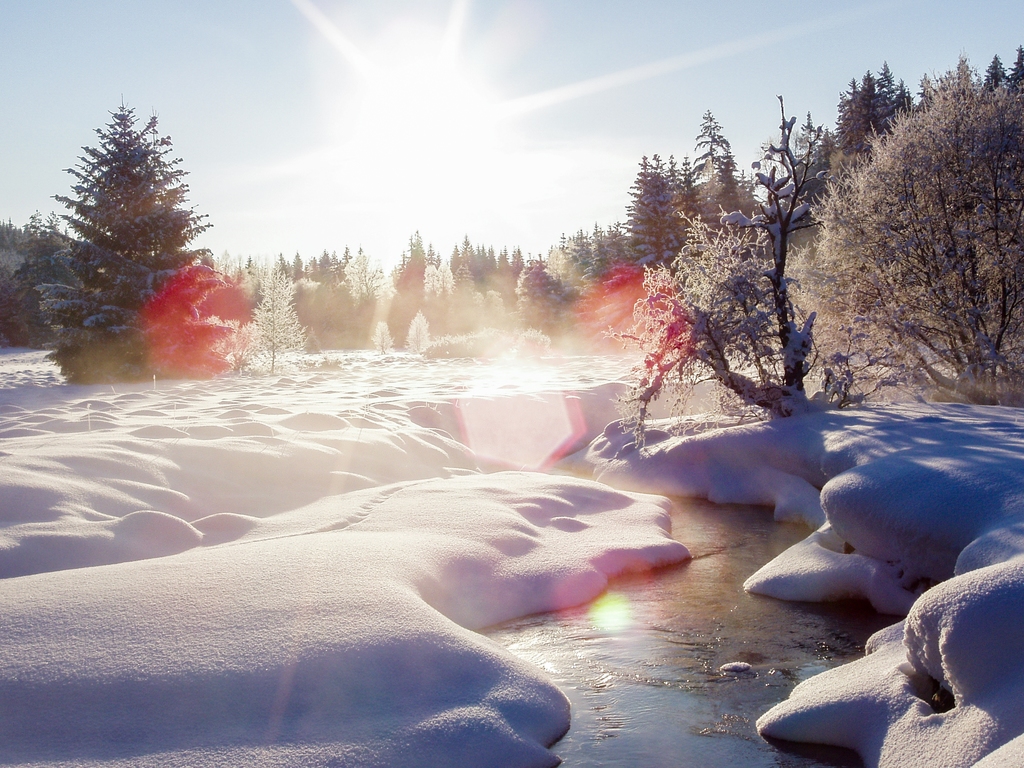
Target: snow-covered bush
923,245
490,342
381,339
240,346
418,338
726,314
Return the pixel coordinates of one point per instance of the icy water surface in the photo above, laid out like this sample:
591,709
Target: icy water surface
640,665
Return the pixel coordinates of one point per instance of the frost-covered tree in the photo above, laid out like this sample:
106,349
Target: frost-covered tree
133,230
438,282
727,315
924,244
366,280
418,339
277,325
381,339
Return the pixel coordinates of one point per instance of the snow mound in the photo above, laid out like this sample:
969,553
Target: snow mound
348,625
289,571
946,691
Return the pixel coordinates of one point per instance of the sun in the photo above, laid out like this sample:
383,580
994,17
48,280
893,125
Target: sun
420,130
424,112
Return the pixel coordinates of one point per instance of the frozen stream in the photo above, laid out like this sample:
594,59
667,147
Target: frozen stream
640,666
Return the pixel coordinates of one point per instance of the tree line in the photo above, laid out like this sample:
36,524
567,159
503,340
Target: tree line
102,289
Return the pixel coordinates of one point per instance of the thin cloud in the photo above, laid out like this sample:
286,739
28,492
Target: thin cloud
583,88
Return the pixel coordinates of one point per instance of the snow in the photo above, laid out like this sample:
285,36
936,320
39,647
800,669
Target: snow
288,570
921,512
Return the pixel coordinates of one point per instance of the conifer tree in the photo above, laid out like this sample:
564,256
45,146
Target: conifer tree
995,75
1015,78
656,229
127,209
543,299
718,166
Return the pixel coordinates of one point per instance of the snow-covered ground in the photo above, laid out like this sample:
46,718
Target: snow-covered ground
288,570
921,508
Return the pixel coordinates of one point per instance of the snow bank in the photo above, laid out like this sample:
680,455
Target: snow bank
285,571
923,512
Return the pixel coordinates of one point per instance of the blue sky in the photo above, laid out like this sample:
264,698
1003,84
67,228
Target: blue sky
312,124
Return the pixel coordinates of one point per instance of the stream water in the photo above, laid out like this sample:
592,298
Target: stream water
641,664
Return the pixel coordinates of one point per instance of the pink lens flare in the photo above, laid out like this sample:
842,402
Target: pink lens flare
521,431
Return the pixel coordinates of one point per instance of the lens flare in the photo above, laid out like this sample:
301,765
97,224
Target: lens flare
524,431
181,342
611,612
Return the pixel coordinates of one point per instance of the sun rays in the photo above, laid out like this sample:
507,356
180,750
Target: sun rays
419,133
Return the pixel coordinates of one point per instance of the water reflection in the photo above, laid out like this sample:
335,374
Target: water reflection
641,665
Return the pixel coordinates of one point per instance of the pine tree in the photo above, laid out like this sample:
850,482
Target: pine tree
128,211
656,229
718,166
995,75
1015,78
278,328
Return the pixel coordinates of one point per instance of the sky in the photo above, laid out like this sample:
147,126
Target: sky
308,125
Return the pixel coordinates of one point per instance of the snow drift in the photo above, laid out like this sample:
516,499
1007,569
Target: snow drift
286,571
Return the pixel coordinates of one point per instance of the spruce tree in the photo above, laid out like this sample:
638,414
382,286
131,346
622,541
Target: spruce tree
656,229
128,212
1015,78
718,165
995,75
